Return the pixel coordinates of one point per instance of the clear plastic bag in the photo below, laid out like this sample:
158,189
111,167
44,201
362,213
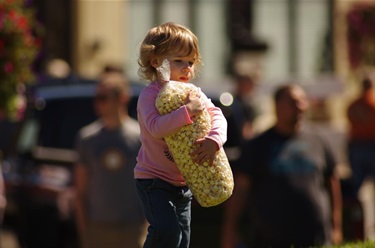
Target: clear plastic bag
210,185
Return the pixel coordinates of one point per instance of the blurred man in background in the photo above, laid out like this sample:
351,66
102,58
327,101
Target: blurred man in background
361,116
361,147
108,212
284,180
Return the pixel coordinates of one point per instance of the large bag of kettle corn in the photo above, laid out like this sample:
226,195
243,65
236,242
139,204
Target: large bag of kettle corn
210,185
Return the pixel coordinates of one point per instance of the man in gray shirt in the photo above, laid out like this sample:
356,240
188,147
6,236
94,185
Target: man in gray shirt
108,212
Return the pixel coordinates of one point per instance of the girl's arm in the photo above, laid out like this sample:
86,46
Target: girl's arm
158,125
218,131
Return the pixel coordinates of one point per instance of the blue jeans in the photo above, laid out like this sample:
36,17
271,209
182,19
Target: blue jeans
168,211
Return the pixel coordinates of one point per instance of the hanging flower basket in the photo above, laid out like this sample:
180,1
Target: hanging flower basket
19,45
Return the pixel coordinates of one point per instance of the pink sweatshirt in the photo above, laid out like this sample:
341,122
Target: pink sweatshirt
153,157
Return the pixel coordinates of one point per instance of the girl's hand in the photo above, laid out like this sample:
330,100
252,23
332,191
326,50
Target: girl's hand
193,104
206,151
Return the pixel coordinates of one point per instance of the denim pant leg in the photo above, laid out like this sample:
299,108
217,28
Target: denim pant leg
183,211
168,211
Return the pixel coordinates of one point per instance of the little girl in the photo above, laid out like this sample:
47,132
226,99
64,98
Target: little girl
162,189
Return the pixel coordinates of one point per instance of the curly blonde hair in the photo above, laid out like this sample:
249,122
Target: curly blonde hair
167,39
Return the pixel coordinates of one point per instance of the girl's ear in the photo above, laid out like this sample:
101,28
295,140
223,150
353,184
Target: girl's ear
154,62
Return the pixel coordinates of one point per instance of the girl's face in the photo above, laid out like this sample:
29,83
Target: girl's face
181,66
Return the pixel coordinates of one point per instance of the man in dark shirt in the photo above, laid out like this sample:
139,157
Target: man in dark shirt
288,173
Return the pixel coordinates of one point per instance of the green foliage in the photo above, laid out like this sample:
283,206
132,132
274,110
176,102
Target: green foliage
19,46
358,244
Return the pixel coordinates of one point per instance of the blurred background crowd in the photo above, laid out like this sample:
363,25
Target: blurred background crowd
53,52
